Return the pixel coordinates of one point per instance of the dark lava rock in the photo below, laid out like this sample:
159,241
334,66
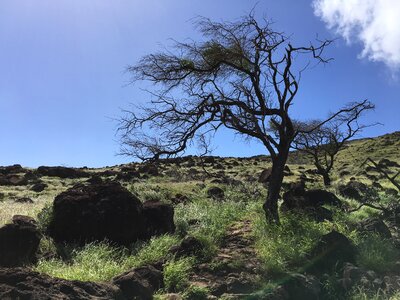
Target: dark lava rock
317,213
150,169
188,247
309,202
350,192
39,187
179,198
61,172
375,225
22,283
216,193
331,251
128,176
13,179
140,283
19,242
14,169
300,287
322,197
23,200
353,189
96,212
158,218
95,179
265,175
209,159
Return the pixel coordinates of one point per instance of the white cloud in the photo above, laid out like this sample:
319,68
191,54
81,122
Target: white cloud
374,23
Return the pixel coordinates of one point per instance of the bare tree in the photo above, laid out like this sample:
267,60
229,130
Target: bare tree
240,75
323,143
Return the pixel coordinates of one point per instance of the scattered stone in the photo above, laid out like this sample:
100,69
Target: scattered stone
38,187
190,246
140,283
22,283
350,192
375,225
179,198
61,172
23,200
300,287
19,242
13,179
331,251
14,169
128,176
95,179
150,169
215,193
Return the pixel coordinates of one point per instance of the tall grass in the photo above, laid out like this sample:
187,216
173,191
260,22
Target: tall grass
101,262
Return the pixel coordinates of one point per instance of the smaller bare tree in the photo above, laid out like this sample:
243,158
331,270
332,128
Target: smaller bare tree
323,143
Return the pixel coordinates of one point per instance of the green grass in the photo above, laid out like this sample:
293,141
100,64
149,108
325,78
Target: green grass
176,274
359,293
283,248
95,262
101,262
377,254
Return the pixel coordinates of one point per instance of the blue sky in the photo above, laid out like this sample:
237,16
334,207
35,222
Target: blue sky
63,79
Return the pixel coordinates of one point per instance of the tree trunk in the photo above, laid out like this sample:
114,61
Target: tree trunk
327,179
275,183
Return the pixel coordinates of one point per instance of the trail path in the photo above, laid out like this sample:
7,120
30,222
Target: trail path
235,269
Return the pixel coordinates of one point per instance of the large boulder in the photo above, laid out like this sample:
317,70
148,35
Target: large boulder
322,197
332,251
96,212
140,283
19,242
13,179
22,283
61,172
376,226
158,218
309,202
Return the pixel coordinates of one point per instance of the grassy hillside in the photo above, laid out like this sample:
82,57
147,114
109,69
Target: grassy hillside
223,225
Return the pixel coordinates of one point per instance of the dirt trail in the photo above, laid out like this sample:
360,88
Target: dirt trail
234,269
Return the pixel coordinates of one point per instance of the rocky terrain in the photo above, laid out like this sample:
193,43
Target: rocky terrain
193,228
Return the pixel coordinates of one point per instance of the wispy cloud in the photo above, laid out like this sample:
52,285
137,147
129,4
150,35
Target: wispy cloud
374,23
